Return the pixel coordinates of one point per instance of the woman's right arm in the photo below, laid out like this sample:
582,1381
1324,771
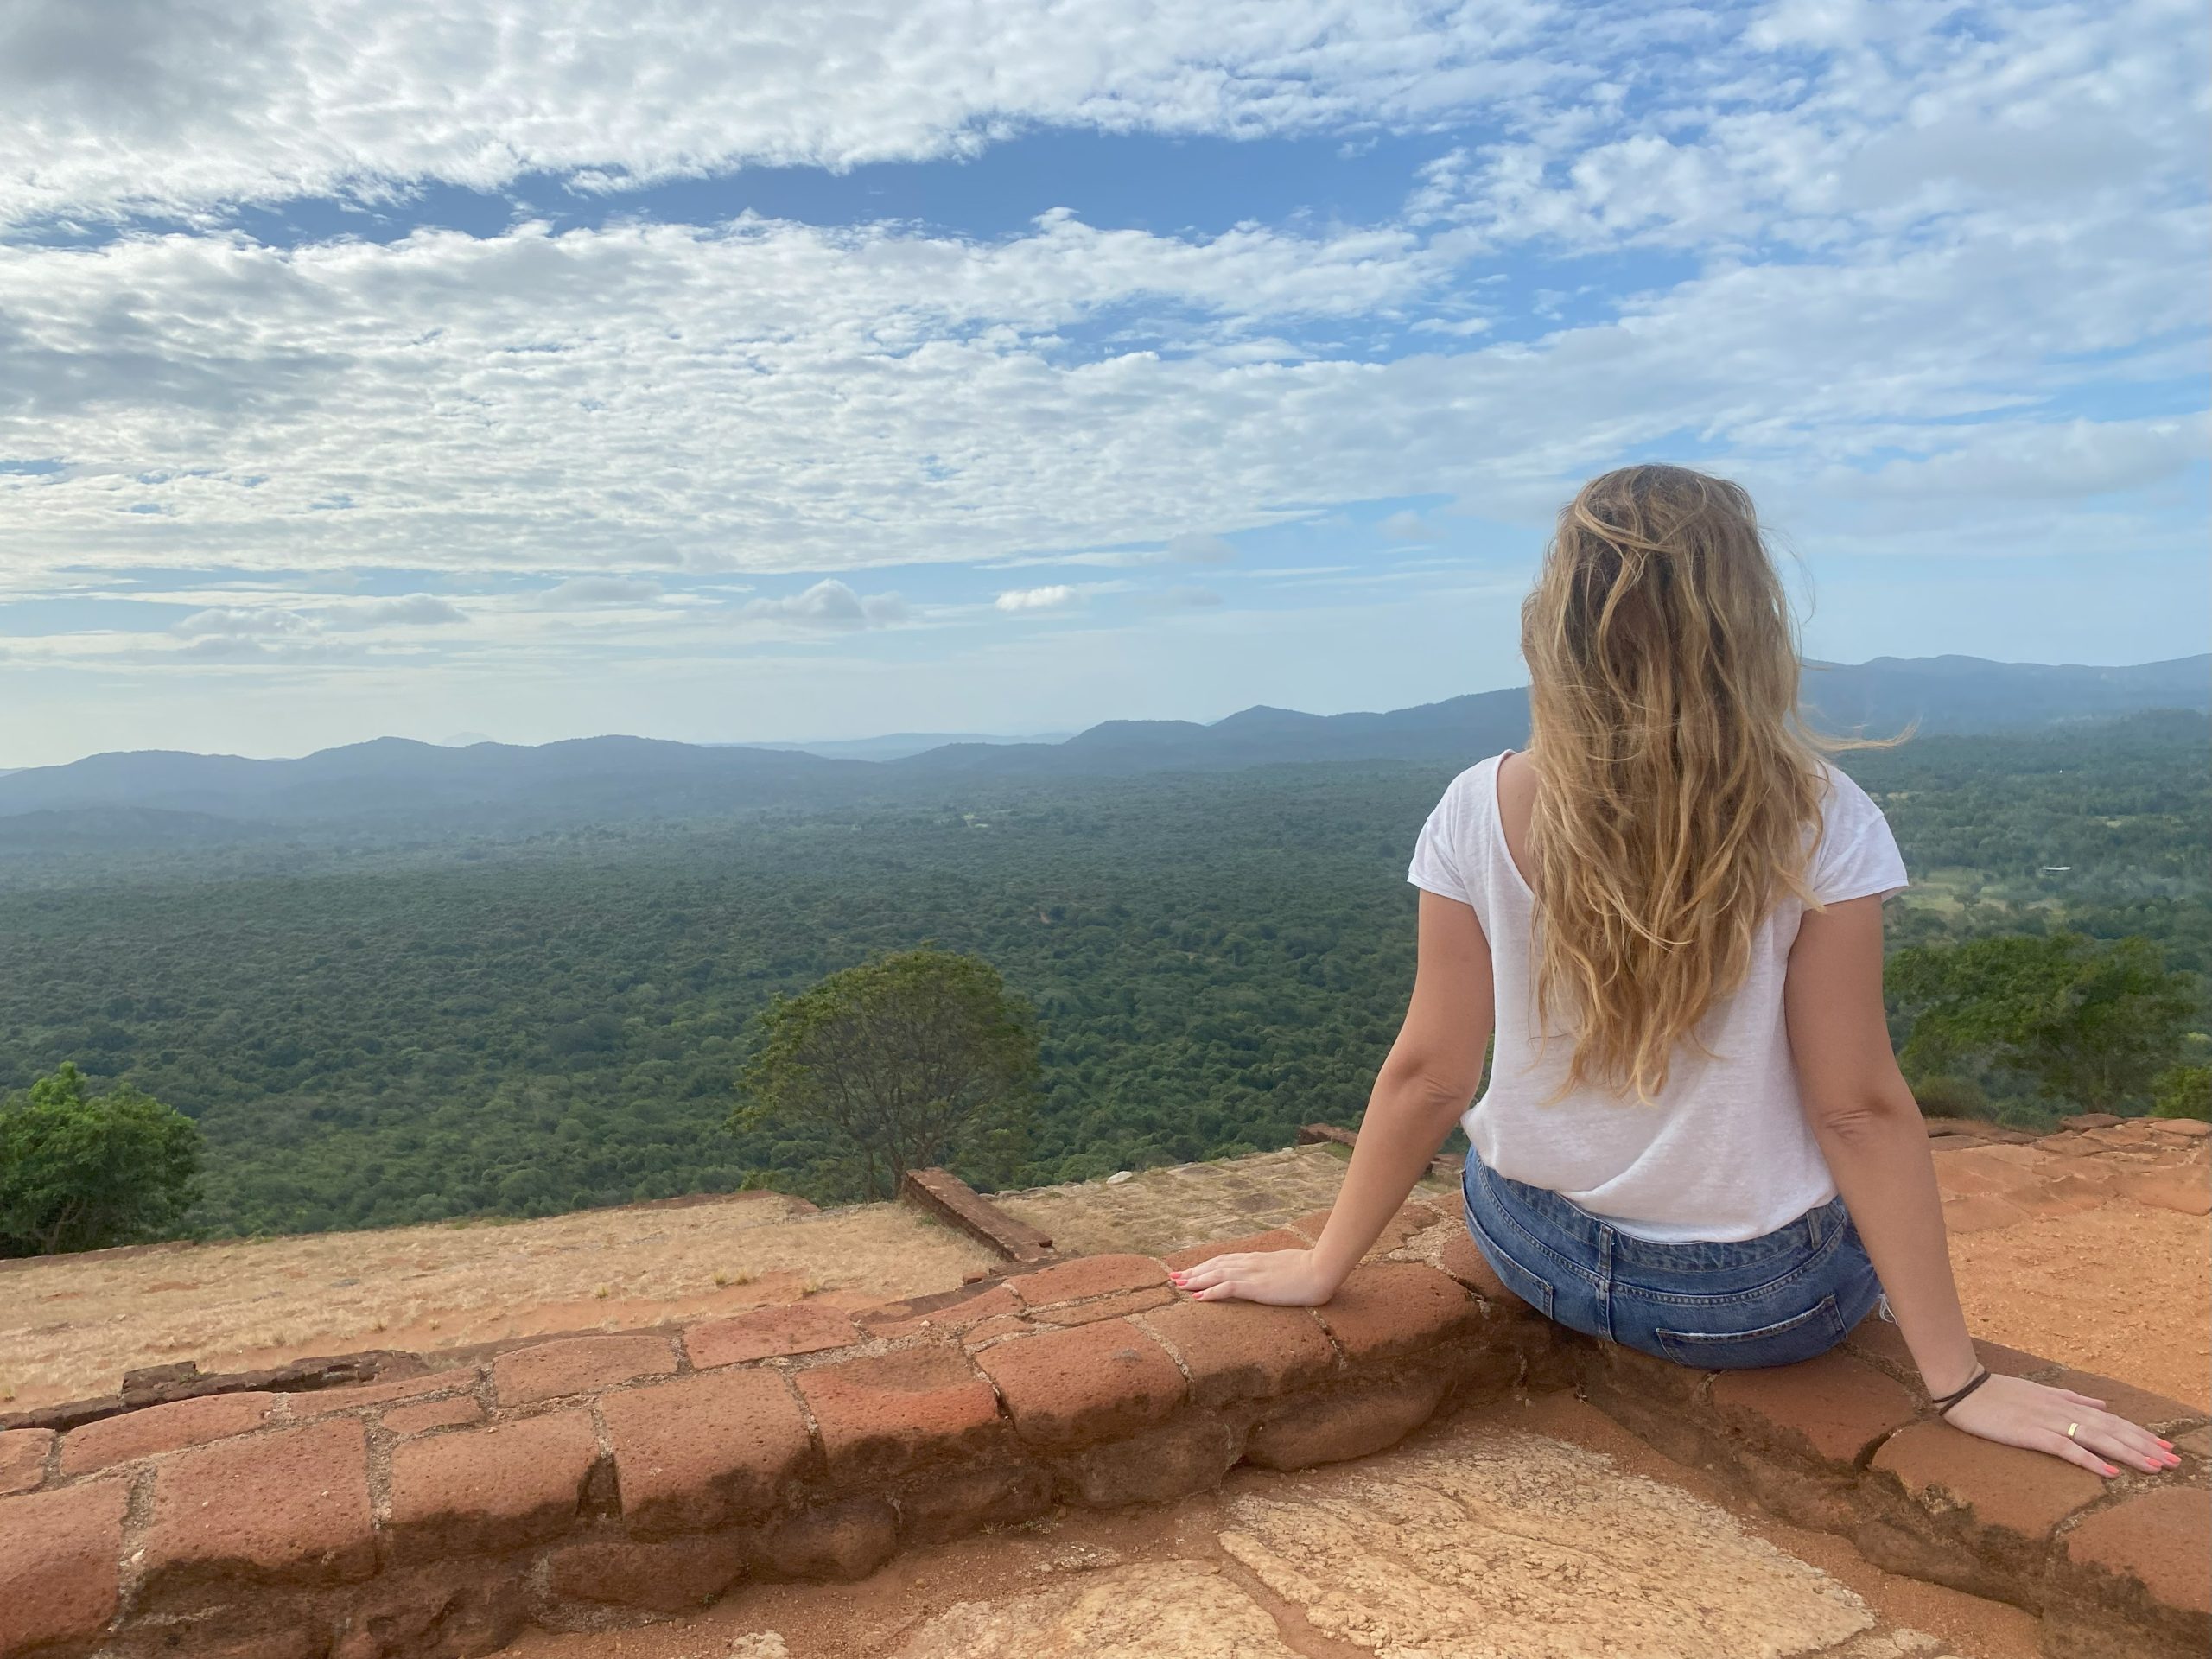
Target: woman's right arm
1870,1129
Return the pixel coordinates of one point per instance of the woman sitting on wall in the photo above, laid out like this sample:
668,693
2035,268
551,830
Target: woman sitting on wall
1695,1140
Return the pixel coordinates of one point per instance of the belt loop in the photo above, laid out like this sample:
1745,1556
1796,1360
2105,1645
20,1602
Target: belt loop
1812,1225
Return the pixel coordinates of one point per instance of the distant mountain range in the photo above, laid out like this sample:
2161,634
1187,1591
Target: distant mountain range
159,796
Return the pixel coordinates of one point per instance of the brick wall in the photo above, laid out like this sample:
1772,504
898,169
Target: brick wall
583,1481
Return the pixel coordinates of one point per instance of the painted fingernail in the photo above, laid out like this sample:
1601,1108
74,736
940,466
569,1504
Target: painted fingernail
2110,1471
2169,1444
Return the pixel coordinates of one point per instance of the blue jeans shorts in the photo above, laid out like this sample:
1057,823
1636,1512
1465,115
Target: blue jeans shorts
1788,1296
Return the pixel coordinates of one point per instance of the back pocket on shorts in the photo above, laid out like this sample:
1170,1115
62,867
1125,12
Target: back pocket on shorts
1531,1288
1802,1337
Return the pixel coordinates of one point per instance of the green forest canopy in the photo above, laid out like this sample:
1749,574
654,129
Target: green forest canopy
371,1034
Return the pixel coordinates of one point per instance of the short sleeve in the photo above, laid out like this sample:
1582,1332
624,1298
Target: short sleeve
1442,862
1857,857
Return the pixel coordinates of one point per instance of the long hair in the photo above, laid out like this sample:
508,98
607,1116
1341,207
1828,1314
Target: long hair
1677,785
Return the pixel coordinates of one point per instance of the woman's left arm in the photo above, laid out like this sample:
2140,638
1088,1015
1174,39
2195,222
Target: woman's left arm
1432,1071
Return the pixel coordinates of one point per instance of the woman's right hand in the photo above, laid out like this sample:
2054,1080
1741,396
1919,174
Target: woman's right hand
2014,1411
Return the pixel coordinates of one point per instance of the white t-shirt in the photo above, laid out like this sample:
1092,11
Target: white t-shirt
1726,1152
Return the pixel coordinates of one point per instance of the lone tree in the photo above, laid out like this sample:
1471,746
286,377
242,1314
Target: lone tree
78,1173
904,1058
2087,1023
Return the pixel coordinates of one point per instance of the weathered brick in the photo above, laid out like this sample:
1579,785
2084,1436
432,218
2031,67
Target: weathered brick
1083,1384
956,1501
794,1328
989,1304
490,1490
162,1428
1330,1427
416,1416
1006,1325
325,1400
1108,1307
705,1451
1394,1307
841,1540
886,1414
2081,1121
666,1578
2161,1539
1088,1276
449,1610
22,1459
1465,1262
1829,1412
546,1370
1983,1485
290,1507
1189,1454
1253,1244
58,1564
1243,1350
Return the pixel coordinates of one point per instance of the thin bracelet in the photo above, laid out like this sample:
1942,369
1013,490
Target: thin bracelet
1944,1403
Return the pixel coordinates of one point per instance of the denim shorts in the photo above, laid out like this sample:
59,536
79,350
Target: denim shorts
1787,1296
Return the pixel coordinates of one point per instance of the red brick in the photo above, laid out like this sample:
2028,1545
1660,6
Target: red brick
22,1459
984,1305
884,1415
667,1578
1393,1308
1464,1261
1278,1239
1829,1411
843,1541
2162,1539
57,1571
706,1450
325,1400
1243,1351
162,1428
1330,1427
2005,1487
1088,1383
491,1489
1087,1275
418,1415
292,1507
546,1370
1006,1325
2125,1399
1877,1339
794,1328
1109,1307
1309,1225
2089,1121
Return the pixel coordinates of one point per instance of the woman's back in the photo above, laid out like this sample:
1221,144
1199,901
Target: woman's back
1723,1151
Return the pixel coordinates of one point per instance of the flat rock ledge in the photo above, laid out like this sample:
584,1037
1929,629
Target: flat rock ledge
595,1481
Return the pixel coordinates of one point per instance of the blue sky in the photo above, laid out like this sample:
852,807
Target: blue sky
832,370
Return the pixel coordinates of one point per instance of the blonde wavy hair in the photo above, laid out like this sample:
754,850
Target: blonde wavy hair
1677,784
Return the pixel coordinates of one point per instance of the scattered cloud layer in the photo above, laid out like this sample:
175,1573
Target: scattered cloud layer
1926,277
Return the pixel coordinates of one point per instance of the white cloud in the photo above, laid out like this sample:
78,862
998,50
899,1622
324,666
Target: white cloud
830,604
1057,596
1407,525
154,104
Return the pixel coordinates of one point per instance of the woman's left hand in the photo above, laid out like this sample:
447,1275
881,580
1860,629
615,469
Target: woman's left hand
1286,1277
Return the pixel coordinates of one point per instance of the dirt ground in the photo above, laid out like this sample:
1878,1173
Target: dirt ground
69,1328
2123,1290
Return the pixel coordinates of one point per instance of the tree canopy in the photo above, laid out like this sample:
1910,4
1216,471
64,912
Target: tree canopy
78,1172
909,1058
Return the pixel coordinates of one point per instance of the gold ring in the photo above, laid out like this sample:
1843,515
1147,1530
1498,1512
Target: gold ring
2070,1428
